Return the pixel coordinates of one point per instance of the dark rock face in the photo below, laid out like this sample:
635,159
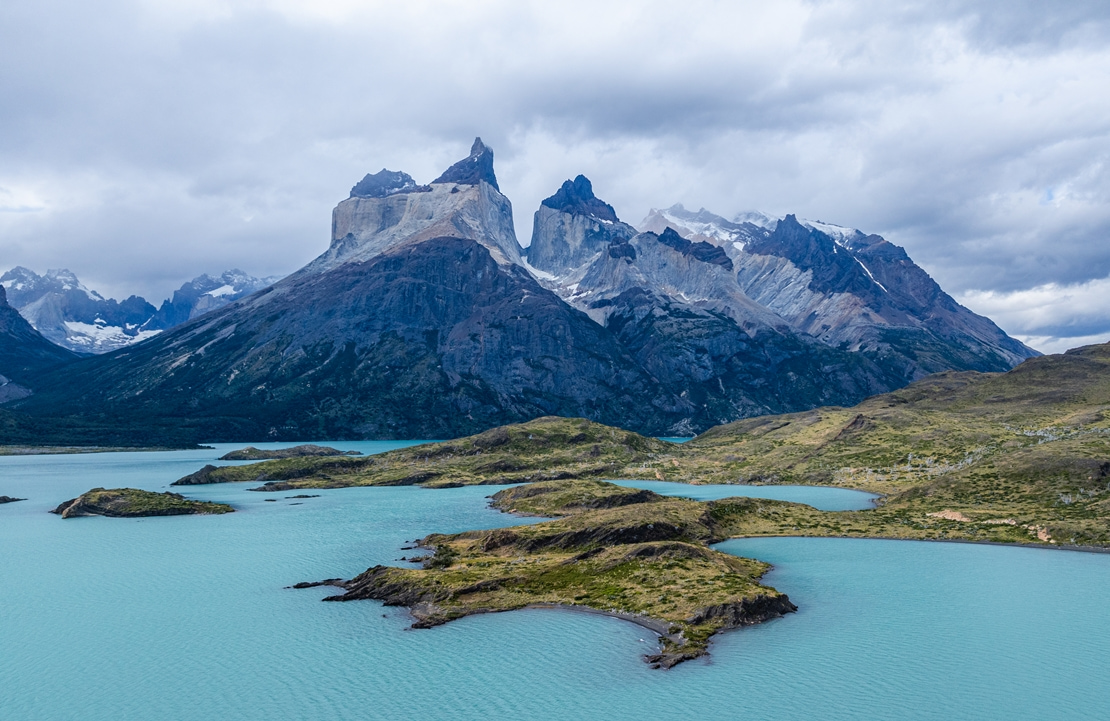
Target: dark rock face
383,183
478,166
701,250
813,251
729,372
432,340
9,499
24,353
573,226
748,612
577,198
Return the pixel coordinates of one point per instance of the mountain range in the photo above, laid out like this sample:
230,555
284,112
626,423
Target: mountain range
67,313
425,318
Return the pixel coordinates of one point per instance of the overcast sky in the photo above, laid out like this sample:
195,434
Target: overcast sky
145,142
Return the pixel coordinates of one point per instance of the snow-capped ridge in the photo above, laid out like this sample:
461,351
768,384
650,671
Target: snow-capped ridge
69,314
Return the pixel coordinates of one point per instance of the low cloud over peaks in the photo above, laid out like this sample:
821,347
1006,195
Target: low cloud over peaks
144,143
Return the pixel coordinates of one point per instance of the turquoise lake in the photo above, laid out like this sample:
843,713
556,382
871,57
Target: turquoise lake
188,618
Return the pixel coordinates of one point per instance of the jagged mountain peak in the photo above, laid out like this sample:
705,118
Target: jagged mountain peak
473,169
27,286
385,182
577,198
464,202
18,277
571,228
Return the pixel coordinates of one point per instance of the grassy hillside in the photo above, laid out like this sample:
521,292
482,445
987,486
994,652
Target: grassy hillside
1016,456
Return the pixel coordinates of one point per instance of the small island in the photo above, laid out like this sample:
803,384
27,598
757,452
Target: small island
135,503
9,499
618,551
307,450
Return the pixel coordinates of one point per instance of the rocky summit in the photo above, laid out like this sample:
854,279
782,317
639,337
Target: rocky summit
849,290
425,318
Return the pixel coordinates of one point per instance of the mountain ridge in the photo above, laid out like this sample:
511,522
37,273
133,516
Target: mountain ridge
425,318
81,320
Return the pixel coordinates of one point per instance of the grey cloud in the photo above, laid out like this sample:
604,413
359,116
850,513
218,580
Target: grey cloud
161,141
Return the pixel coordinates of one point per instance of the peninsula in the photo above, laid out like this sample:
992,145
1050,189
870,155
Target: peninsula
628,553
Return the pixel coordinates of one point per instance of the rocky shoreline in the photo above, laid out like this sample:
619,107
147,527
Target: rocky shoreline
620,552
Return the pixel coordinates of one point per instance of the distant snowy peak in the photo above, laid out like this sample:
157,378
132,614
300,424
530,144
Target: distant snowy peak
71,315
756,218
706,226
204,294
842,236
230,284
25,286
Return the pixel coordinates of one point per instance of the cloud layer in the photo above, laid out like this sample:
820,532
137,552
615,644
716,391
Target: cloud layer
146,142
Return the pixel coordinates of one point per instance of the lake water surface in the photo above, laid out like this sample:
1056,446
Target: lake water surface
188,618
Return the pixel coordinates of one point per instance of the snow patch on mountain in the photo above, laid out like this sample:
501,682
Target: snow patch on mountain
101,338
71,315
841,235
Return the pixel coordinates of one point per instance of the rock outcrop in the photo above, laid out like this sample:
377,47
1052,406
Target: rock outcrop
250,453
573,227
135,503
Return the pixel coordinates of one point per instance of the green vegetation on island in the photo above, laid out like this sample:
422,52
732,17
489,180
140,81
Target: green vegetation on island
1022,456
548,448
632,554
132,503
250,453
